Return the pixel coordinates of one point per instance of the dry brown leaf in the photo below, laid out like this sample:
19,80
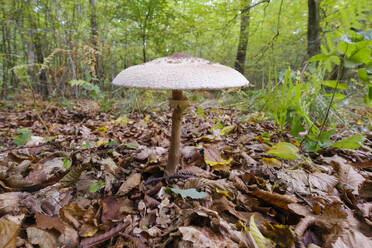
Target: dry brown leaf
346,174
87,230
196,171
109,165
132,182
11,202
302,182
204,237
68,237
212,157
110,209
365,189
352,239
9,228
42,238
202,184
49,222
76,216
188,151
275,199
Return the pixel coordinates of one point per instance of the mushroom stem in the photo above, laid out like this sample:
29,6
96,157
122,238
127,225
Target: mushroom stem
179,103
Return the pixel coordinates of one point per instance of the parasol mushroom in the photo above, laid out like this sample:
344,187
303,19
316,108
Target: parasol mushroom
179,72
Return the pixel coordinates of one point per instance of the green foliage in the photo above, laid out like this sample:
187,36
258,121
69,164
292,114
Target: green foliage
104,101
94,187
284,150
184,193
23,135
67,162
353,142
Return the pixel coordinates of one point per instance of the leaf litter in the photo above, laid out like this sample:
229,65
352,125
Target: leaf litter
96,180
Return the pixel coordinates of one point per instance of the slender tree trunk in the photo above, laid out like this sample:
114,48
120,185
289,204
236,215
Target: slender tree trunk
243,36
93,34
38,47
313,28
42,72
4,85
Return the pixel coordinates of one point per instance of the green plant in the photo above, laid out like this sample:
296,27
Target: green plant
23,135
94,187
104,102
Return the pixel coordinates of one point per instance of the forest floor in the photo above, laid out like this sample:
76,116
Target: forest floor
89,178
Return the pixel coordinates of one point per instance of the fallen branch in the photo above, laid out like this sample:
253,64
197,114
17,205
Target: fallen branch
157,179
36,146
88,242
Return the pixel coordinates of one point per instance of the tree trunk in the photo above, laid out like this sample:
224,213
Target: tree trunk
42,71
38,46
93,35
243,36
313,28
4,85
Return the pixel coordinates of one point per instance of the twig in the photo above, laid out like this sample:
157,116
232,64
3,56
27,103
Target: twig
333,96
88,242
157,179
36,146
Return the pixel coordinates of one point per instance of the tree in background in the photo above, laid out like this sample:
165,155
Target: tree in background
313,28
243,35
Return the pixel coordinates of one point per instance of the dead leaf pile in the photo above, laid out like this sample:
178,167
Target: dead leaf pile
87,178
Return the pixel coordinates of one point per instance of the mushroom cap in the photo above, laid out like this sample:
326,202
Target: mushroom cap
180,71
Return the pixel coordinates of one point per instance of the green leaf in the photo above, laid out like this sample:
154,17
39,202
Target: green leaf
23,136
333,84
284,150
94,187
349,63
67,163
367,34
337,97
319,57
361,56
296,125
226,130
363,75
325,138
200,112
260,240
311,146
192,193
353,142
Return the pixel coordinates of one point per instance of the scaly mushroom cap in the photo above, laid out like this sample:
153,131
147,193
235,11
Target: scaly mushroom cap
180,71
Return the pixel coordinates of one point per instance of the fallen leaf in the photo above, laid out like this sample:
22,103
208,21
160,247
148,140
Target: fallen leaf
271,162
204,237
9,228
261,241
365,189
132,182
284,150
192,193
42,238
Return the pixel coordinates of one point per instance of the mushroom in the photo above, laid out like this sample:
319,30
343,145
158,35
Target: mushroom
179,72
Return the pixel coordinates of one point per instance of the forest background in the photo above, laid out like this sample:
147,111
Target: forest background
47,43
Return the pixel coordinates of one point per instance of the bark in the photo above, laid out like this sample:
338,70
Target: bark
243,36
42,71
38,48
4,63
94,34
178,101
313,28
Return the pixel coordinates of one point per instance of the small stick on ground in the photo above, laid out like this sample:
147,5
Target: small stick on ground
88,242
